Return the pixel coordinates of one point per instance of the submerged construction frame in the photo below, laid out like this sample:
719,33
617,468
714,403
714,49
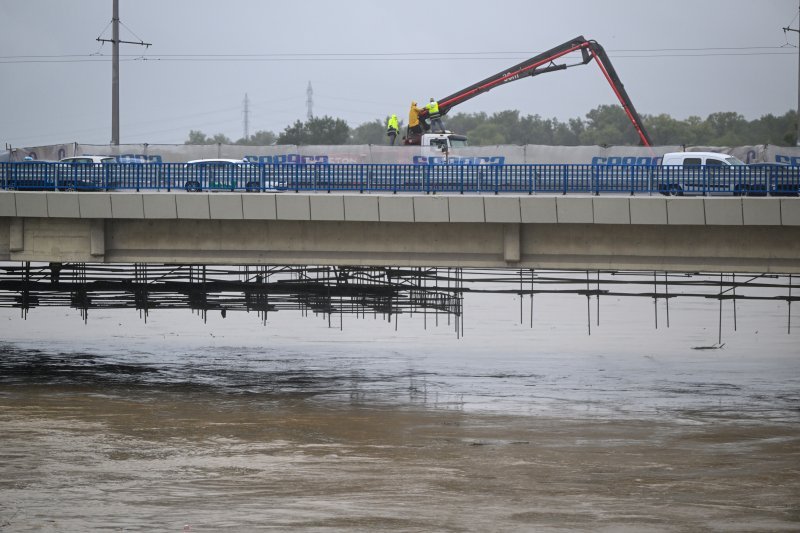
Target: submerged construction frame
378,291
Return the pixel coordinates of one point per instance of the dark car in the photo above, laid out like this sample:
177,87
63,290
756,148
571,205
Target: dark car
225,175
31,175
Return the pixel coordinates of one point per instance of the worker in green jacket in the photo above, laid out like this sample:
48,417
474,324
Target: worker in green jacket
434,115
392,129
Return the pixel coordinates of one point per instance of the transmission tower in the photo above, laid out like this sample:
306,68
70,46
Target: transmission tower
310,101
246,117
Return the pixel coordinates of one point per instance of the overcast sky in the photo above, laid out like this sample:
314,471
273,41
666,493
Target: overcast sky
367,59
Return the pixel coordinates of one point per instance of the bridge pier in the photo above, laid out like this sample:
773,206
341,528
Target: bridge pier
511,243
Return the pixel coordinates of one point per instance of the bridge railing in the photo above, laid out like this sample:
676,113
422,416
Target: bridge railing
758,179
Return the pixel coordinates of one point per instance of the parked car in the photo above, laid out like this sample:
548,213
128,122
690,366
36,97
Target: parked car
226,174
135,172
84,172
31,175
138,158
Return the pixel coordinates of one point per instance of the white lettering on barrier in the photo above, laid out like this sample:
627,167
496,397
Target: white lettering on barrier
496,160
788,159
626,160
298,159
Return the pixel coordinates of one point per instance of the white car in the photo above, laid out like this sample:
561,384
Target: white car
84,172
89,159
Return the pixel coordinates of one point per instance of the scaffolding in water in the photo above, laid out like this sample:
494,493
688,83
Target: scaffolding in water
377,291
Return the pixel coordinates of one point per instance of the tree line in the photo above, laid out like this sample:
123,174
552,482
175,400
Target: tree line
604,125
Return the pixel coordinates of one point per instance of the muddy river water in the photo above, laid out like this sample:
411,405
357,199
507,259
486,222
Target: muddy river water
177,425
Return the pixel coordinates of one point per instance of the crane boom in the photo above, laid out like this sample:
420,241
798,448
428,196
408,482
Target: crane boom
543,63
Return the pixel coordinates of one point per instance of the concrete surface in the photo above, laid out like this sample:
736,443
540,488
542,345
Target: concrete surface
711,234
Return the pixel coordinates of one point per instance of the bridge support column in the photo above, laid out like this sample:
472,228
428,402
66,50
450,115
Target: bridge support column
16,235
97,238
511,243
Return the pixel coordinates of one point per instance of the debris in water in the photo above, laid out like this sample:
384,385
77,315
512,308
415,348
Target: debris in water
712,347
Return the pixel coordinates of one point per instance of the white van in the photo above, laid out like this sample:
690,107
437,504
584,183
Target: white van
685,159
703,173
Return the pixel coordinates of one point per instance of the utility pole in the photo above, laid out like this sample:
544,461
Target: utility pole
115,42
246,117
310,101
797,143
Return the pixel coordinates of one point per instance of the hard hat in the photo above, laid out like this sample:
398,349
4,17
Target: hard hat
27,158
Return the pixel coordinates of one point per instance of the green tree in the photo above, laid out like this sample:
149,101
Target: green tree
259,138
196,137
327,130
294,134
488,134
604,125
371,133
324,130
464,122
608,125
667,129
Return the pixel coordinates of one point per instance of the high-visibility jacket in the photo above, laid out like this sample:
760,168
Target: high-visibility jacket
392,125
433,109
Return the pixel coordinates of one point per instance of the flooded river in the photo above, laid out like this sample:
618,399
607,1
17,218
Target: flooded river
177,425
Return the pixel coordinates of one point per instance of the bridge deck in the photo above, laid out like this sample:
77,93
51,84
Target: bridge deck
734,234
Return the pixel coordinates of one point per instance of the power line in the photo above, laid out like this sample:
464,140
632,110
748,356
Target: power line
399,56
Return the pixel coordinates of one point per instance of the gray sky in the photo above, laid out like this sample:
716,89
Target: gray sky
420,49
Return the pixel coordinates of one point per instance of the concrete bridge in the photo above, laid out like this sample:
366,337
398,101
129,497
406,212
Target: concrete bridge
569,232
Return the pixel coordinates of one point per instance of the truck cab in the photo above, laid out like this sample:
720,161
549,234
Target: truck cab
442,140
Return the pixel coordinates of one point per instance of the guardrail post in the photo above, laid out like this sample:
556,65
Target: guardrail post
632,170
704,170
564,179
770,184
529,175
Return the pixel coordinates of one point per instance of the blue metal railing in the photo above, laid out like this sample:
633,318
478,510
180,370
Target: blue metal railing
758,180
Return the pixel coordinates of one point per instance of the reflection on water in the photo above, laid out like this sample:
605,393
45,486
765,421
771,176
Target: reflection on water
233,426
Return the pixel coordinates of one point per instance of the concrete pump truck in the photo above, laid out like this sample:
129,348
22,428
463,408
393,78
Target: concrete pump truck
540,64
